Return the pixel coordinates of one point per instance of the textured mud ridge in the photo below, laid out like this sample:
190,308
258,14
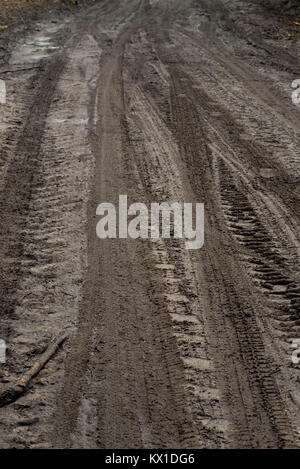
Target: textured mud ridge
166,347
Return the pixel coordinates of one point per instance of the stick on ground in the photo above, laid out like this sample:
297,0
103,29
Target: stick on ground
13,392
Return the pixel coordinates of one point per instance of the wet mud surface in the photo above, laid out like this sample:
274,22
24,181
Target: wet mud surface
163,101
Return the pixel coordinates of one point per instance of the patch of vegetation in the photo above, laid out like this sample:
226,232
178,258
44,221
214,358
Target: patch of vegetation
294,31
13,11
288,12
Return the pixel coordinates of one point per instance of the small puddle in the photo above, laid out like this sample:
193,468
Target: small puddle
37,47
280,288
246,137
267,172
73,121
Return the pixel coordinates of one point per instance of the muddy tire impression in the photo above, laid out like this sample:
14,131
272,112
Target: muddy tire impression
162,100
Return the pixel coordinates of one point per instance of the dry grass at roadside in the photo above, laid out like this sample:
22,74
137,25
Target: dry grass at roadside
12,11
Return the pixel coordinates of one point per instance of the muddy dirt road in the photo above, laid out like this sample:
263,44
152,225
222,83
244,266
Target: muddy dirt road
162,100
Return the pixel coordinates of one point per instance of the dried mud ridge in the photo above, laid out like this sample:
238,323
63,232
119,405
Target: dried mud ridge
167,348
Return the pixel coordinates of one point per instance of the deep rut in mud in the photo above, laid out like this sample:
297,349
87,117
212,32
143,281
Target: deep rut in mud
163,101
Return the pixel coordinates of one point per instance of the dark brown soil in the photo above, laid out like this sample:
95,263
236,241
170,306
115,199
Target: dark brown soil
162,100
